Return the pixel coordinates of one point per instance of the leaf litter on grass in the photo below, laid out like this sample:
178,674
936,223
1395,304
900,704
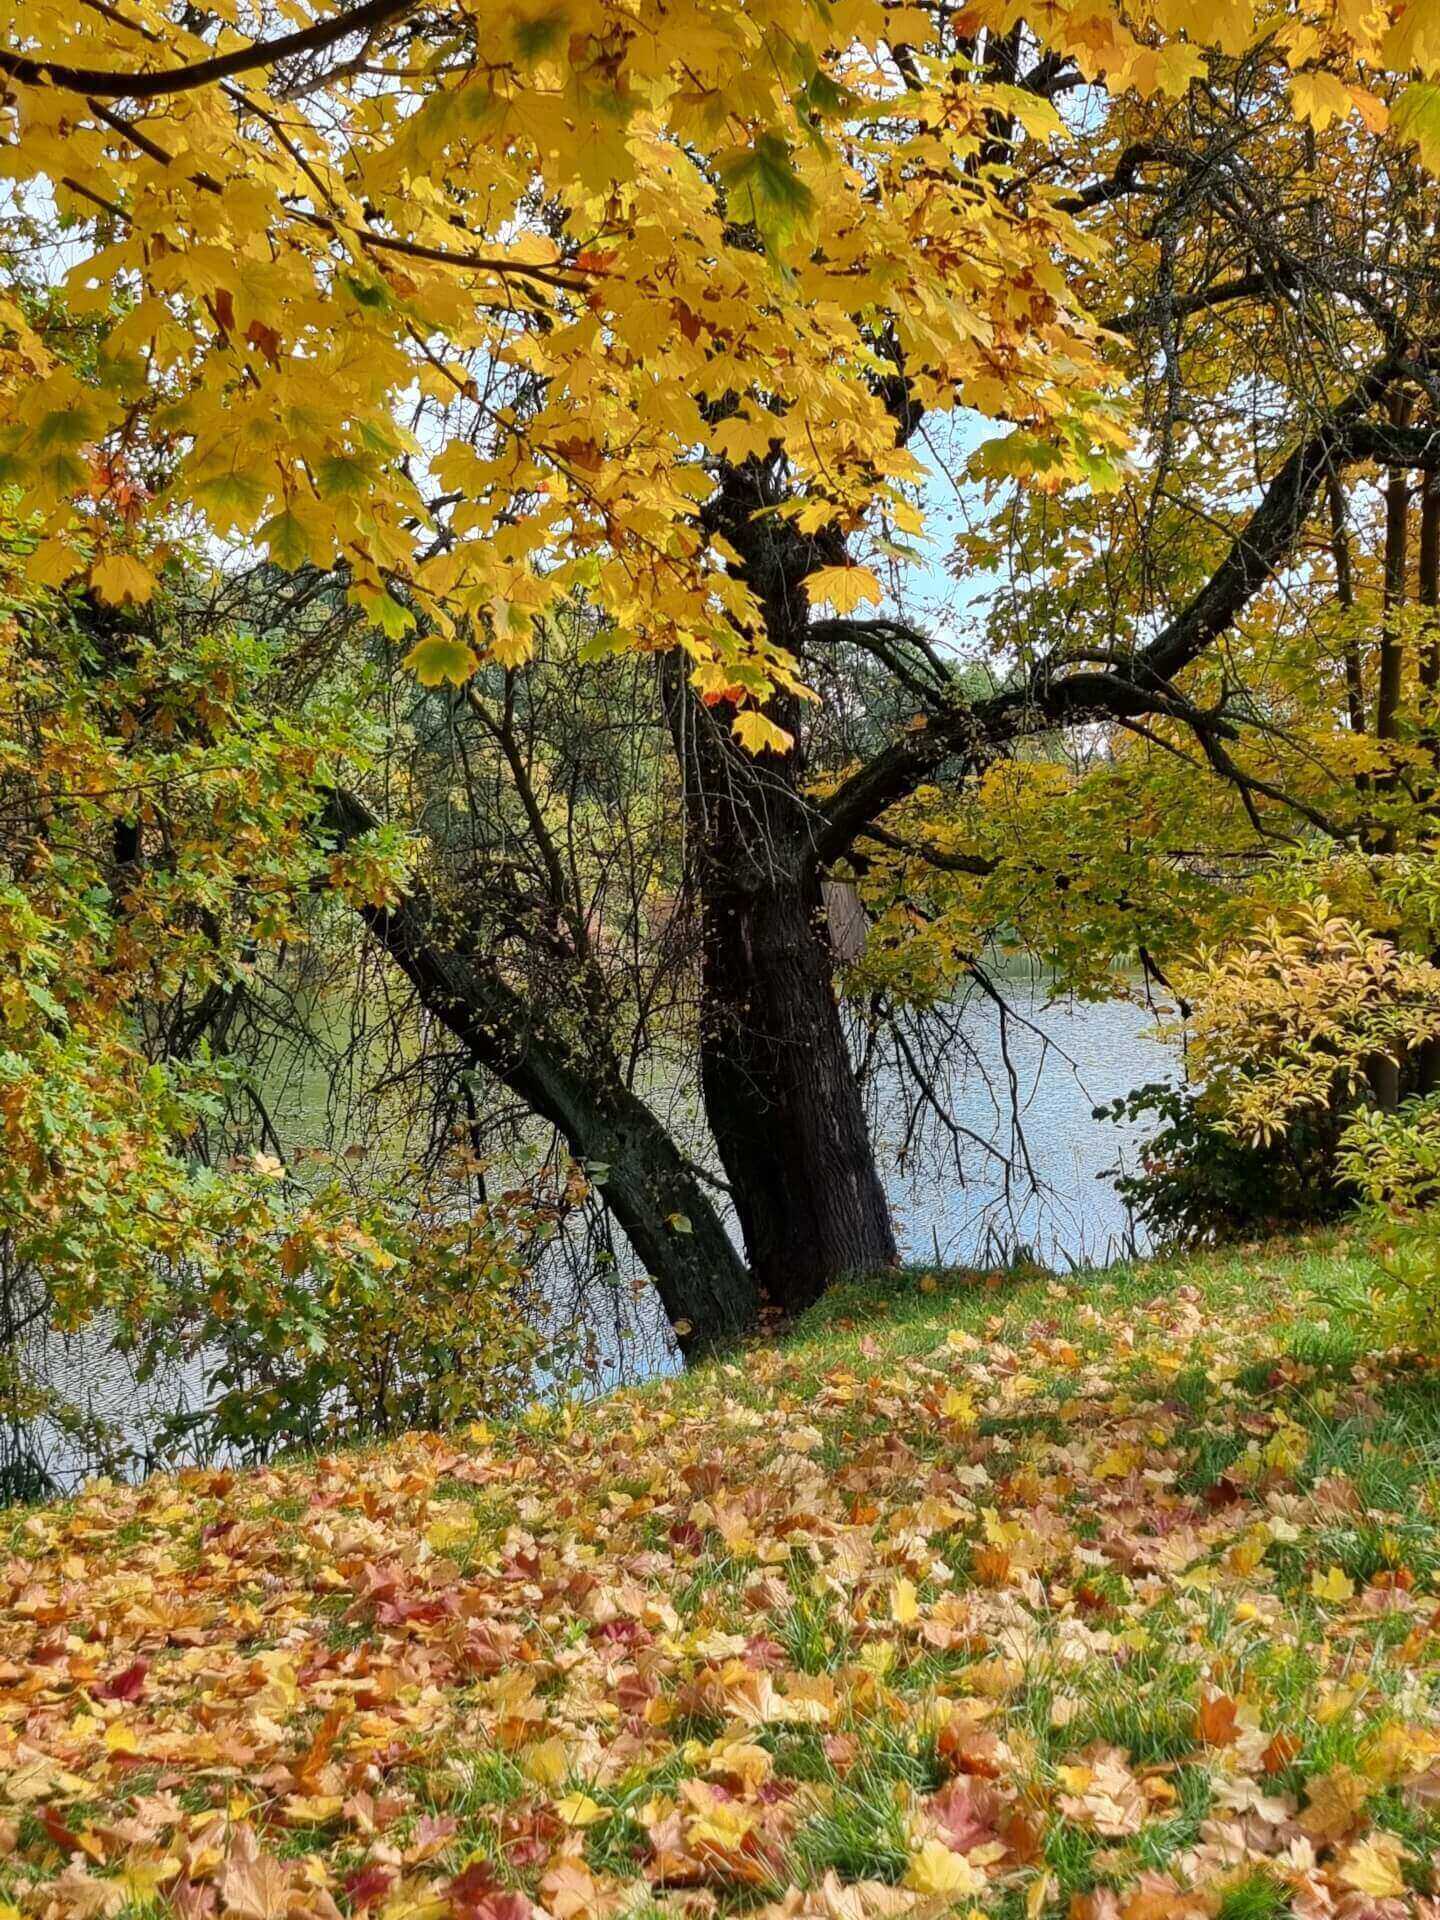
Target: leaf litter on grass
1077,1604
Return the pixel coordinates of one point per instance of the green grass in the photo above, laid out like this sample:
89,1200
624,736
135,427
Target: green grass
1093,1563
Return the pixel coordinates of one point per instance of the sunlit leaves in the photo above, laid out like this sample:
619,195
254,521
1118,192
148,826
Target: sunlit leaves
757,733
268,306
1416,117
121,579
436,660
843,588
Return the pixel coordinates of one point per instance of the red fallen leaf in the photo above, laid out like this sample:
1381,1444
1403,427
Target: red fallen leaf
528,1836
634,1691
431,1834
475,1894
527,1850
762,1652
1215,1720
487,1649
965,1812
64,1839
621,1633
367,1885
128,1685
193,1900
969,1749
1222,1493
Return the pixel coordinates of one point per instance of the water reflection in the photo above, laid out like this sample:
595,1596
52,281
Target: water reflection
1020,1165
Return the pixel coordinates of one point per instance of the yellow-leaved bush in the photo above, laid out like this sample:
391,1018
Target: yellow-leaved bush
1318,1020
1296,1018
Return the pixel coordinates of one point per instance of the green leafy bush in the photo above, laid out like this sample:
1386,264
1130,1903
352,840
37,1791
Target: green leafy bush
1393,1161
374,1318
1200,1182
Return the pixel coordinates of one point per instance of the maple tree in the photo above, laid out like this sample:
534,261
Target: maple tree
646,314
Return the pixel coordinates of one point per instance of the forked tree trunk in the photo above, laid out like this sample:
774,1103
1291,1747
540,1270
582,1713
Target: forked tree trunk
781,1093
780,1089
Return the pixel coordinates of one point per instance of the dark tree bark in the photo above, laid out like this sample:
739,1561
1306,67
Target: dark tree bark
1427,1064
780,1089
1345,596
573,1084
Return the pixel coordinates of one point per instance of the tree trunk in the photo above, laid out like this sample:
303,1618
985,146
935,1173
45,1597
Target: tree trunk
1345,595
780,1089
1392,643
653,1192
781,1093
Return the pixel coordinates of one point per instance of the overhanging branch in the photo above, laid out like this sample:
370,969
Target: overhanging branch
107,85
974,732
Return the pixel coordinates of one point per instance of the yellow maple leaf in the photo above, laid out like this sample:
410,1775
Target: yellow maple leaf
904,1606
959,1406
1373,1866
721,1823
843,588
935,1869
546,1762
759,735
1334,1584
579,1810
1319,98
120,579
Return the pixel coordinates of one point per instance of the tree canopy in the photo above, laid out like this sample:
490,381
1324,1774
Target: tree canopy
484,476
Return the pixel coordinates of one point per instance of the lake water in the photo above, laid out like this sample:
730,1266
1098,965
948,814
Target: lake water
1024,1167
1036,1173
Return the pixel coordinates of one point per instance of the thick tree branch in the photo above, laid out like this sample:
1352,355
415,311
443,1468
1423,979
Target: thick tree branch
32,72
1244,286
569,1082
1124,180
975,732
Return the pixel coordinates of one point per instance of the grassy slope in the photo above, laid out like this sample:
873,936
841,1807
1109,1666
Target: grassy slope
1104,1597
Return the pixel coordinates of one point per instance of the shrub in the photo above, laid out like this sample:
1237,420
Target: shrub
1199,1182
380,1316
1286,1031
1292,1021
1393,1161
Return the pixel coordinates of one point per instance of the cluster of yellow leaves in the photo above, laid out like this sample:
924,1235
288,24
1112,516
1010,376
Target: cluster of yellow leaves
864,1641
496,263
1289,1021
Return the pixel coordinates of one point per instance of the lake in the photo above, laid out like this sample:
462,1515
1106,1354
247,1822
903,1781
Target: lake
1025,1170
